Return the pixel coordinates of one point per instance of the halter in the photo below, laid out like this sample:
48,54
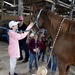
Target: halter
37,20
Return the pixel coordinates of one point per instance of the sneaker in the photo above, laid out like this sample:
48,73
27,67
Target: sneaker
24,61
14,73
20,59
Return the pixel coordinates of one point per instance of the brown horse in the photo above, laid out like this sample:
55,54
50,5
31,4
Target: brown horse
64,47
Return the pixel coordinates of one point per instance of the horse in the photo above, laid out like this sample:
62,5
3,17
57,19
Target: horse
64,47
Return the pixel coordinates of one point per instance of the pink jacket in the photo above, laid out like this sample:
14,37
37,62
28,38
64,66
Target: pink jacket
13,48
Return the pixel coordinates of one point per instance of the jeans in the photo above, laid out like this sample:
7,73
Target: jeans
33,57
54,66
41,53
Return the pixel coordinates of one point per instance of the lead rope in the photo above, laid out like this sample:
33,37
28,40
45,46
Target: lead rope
55,39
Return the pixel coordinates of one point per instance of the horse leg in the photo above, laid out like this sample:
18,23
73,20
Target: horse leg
63,68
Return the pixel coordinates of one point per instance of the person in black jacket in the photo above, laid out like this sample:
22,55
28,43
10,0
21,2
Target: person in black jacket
22,43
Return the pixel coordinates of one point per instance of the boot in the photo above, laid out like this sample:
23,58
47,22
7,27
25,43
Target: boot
14,73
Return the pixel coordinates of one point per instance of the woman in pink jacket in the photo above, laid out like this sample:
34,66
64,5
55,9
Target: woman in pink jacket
13,48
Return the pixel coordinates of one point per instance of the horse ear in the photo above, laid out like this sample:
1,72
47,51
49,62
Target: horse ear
38,6
34,7
44,7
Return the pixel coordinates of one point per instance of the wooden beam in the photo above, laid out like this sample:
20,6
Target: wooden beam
50,1
29,2
2,9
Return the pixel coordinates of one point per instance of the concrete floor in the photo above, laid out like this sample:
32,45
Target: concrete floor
21,68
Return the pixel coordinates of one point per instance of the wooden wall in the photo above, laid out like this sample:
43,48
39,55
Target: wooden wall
7,17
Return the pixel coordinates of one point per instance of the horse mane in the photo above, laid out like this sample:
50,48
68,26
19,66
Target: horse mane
55,19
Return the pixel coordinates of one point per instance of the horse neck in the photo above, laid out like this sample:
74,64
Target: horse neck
50,29
50,21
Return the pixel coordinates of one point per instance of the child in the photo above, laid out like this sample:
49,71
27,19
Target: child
42,48
52,66
33,46
42,71
13,48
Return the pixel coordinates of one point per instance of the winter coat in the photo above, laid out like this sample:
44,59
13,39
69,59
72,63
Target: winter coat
13,48
32,45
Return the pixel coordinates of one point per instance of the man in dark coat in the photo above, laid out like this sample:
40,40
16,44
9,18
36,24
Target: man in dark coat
22,43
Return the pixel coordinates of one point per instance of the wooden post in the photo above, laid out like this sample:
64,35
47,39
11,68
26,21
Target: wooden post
14,10
2,9
20,7
30,14
53,6
71,12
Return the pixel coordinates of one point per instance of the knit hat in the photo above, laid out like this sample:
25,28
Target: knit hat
13,23
20,18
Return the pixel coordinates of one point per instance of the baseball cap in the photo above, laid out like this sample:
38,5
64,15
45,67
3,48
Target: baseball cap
13,23
20,18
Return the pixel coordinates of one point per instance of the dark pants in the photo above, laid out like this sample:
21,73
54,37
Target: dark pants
23,46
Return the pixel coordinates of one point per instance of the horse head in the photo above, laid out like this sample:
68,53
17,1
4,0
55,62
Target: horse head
52,21
44,21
